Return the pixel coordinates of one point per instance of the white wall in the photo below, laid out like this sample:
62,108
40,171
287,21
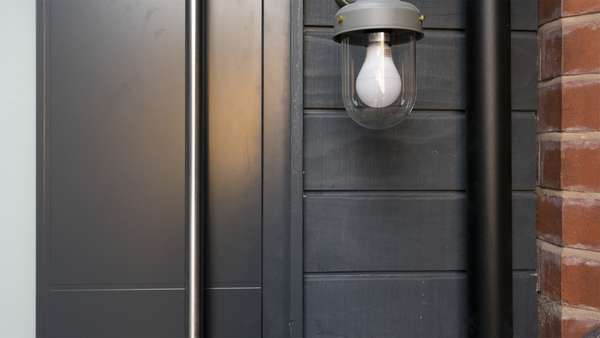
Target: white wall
17,168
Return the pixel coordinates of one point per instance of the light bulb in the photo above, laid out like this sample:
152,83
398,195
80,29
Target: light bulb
378,83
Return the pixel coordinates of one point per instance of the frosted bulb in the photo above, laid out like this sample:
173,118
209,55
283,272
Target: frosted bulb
378,83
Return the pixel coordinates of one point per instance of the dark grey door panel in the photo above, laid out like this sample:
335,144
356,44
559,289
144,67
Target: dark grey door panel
234,226
112,227
117,313
233,313
112,169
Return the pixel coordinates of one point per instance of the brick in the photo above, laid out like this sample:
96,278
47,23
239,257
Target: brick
570,104
550,162
580,280
569,276
565,47
549,318
556,320
550,42
549,10
549,218
550,99
581,222
578,7
569,219
549,271
570,161
581,164
579,55
576,327
568,204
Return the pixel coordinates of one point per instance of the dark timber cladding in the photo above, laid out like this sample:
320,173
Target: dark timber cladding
381,236
488,170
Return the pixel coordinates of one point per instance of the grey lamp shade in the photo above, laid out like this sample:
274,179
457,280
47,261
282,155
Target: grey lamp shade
378,15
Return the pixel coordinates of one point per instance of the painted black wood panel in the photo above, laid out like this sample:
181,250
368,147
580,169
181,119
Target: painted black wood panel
384,227
423,153
525,304
439,13
524,151
441,71
116,141
117,314
393,231
233,313
524,64
401,305
523,229
524,15
389,305
426,152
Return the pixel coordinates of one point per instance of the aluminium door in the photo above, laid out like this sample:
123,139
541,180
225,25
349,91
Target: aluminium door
112,180
111,183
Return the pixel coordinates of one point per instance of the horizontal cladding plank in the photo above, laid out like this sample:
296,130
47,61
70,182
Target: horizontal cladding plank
395,231
387,305
132,314
438,13
425,152
233,313
441,71
525,304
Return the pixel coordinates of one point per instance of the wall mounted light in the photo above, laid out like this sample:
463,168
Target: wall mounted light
378,49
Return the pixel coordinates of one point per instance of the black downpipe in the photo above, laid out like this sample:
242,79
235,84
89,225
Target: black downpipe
489,169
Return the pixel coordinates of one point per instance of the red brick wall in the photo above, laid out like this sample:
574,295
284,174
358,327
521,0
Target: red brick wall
568,210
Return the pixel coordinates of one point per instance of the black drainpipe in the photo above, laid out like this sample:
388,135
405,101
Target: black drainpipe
489,168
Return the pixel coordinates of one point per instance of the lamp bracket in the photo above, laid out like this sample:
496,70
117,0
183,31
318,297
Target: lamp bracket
343,3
